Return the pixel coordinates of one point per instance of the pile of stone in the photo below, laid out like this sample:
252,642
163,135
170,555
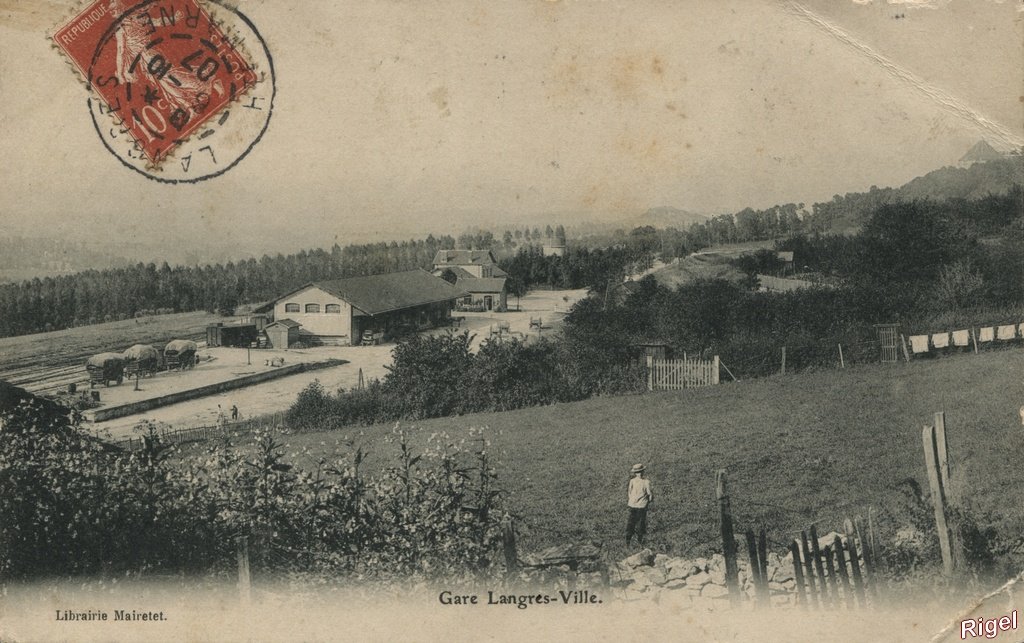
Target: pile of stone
700,582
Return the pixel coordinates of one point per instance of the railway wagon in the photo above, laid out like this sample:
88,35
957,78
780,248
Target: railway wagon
142,360
181,354
105,368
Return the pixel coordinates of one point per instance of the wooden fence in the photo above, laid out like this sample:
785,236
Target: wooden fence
677,374
202,433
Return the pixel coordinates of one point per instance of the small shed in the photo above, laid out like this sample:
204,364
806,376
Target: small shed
282,333
657,349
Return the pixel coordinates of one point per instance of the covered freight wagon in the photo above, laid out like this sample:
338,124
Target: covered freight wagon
180,353
105,368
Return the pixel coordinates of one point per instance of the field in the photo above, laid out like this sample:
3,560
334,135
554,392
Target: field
810,447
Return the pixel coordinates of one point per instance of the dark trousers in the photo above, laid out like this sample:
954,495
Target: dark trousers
637,524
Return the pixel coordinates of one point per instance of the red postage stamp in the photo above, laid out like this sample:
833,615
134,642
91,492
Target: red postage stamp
163,67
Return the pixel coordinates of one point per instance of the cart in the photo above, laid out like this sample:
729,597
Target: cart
105,368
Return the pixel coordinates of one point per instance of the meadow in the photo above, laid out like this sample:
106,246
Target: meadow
812,447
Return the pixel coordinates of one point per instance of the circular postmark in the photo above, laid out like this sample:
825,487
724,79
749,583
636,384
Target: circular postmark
179,100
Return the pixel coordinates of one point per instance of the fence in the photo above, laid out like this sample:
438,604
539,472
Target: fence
678,374
202,433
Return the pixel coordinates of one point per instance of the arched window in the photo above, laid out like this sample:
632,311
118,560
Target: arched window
312,308
333,308
291,308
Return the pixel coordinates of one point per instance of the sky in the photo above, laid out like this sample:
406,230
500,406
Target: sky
395,118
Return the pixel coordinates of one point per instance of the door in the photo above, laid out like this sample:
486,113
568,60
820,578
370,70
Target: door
488,302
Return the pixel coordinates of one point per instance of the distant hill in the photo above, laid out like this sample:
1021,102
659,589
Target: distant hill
846,214
668,217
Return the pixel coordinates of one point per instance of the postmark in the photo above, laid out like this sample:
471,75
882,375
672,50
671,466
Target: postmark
177,94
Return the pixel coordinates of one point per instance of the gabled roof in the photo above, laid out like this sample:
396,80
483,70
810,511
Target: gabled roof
290,323
981,151
460,273
377,294
481,284
464,257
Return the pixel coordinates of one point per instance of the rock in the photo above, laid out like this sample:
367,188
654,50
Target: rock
675,583
701,564
717,562
640,559
655,575
631,594
640,580
713,591
661,560
717,575
619,574
682,570
698,580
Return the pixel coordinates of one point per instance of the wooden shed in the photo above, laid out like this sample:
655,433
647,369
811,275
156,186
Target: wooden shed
282,333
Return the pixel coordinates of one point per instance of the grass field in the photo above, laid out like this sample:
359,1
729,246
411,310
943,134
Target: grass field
815,446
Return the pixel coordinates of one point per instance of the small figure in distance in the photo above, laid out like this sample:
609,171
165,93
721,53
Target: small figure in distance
639,497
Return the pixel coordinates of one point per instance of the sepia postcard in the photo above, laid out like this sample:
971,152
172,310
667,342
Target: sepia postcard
525,320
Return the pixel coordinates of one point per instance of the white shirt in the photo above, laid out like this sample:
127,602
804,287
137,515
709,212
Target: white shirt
639,492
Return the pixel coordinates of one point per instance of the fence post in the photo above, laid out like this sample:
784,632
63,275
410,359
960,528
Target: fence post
866,553
851,545
974,339
844,574
762,558
728,538
842,363
650,372
826,599
244,580
755,569
812,588
783,360
714,371
798,574
906,353
508,542
938,497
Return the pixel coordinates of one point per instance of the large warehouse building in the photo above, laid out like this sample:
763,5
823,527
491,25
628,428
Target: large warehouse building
340,312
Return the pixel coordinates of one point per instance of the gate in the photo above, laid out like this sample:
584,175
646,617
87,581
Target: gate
888,339
677,374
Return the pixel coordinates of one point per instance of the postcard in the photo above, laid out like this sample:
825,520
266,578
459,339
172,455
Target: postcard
539,319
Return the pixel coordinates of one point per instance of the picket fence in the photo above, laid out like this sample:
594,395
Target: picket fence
678,374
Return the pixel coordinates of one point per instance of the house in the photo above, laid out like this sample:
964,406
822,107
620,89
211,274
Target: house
477,273
282,333
339,312
478,263
488,293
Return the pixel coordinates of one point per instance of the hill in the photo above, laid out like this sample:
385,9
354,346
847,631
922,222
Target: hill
811,447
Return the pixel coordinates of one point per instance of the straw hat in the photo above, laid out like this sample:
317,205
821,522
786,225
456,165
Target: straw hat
637,468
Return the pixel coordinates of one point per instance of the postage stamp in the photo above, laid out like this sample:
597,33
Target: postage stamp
164,73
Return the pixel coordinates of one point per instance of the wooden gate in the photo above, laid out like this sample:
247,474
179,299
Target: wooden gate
677,374
888,337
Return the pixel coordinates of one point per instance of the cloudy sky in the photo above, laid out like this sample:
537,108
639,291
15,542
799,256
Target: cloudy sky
397,117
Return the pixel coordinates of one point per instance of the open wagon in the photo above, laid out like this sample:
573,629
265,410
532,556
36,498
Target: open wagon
180,353
141,360
105,368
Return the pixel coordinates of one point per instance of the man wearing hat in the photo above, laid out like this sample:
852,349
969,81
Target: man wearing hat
639,497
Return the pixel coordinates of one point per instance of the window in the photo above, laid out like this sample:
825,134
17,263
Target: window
333,308
312,308
291,308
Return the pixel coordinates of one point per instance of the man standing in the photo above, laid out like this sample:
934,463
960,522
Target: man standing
639,497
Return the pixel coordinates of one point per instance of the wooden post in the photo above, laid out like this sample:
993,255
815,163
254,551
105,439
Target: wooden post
903,342
870,573
714,371
844,574
508,541
783,360
816,552
942,451
244,580
812,587
858,580
650,372
798,574
842,363
833,582
762,557
755,569
728,538
938,497
974,338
